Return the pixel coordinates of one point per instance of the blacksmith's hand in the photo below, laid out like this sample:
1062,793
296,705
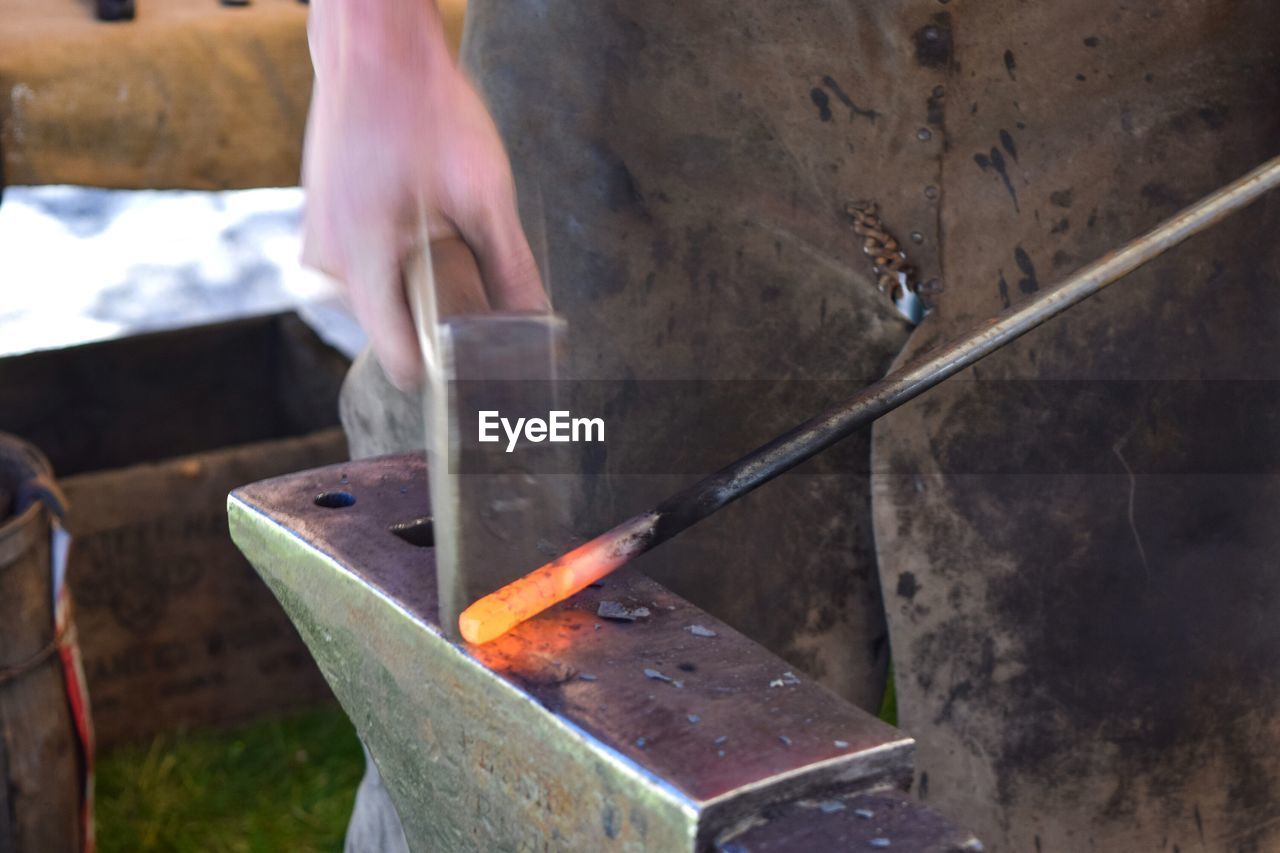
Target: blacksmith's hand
394,126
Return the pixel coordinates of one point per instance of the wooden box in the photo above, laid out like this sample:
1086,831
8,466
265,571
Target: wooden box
148,435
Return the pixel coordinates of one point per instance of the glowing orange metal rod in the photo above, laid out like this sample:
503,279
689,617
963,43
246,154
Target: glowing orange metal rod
495,614
499,612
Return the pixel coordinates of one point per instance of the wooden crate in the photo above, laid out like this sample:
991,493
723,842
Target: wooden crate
147,435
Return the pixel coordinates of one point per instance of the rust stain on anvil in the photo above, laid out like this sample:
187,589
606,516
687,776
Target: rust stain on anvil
714,718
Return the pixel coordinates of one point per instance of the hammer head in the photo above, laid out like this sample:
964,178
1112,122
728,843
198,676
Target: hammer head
500,507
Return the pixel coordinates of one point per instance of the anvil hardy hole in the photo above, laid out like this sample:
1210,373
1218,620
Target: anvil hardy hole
418,532
335,500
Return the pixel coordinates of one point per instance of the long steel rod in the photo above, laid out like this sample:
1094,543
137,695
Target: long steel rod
684,509
930,368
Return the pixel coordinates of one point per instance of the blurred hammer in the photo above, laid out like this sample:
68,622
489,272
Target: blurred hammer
489,517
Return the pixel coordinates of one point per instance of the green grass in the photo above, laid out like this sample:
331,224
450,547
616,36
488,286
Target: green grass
281,785
889,702
284,784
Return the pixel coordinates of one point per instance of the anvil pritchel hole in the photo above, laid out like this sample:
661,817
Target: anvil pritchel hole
419,532
335,500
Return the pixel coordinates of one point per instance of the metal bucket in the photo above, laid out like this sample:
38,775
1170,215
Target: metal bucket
41,761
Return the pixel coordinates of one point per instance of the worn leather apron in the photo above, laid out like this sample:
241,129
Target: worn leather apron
1078,538
682,170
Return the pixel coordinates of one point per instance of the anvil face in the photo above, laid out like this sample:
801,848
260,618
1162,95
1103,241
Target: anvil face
575,731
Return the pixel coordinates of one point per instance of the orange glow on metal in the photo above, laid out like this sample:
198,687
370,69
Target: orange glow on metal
499,612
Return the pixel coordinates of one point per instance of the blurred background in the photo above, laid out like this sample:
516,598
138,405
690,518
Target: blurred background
86,264
83,265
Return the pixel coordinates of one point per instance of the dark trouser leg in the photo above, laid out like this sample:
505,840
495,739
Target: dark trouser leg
375,826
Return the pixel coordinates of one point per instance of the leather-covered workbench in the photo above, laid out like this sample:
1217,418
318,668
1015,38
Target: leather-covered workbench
190,94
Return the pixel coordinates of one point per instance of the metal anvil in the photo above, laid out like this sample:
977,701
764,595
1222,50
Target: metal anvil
664,730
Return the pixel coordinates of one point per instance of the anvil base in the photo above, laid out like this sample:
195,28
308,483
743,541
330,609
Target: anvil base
575,731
